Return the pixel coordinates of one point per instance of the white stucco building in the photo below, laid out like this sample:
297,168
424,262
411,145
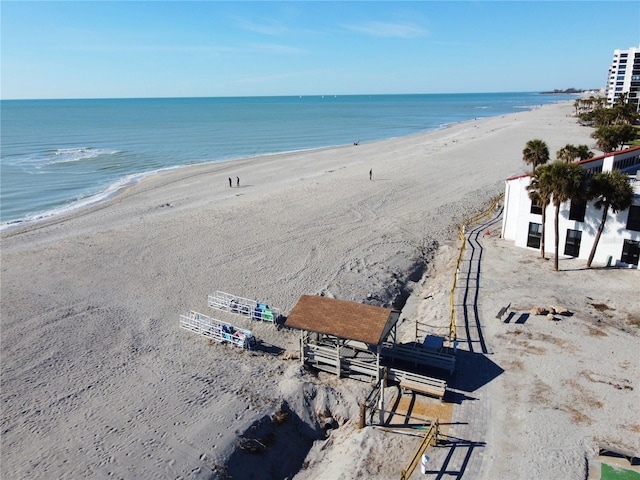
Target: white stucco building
620,241
624,76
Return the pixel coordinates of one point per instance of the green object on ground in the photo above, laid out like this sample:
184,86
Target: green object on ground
608,472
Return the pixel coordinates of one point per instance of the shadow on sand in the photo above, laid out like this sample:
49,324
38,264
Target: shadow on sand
268,348
473,370
273,447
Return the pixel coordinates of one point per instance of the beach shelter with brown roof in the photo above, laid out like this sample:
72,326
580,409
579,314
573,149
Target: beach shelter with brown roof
336,324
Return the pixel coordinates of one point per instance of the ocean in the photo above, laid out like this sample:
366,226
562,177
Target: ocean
60,155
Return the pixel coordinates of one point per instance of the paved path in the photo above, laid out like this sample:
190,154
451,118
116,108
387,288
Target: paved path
461,454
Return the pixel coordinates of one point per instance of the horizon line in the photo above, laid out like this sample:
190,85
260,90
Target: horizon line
545,92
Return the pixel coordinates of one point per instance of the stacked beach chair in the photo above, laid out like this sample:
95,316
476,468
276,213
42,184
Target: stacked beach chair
227,302
218,330
225,332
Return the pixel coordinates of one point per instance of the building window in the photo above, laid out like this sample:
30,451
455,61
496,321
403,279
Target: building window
627,162
577,210
630,252
535,234
633,220
536,207
572,244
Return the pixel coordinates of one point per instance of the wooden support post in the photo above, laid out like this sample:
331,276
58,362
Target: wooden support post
381,403
363,414
338,358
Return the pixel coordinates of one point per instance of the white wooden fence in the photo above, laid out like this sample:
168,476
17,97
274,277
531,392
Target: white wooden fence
227,302
217,330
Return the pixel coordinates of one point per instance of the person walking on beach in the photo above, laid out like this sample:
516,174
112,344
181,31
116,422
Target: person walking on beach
237,181
370,174
230,182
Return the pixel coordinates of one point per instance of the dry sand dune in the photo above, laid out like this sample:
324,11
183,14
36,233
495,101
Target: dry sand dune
99,380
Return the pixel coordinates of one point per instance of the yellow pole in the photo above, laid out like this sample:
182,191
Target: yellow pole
429,437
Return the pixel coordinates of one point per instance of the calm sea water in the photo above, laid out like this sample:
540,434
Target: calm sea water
57,155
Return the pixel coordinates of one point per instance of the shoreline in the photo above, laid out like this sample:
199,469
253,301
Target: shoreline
114,188
91,345
121,185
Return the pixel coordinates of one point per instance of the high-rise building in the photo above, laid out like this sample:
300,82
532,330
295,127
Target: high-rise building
624,76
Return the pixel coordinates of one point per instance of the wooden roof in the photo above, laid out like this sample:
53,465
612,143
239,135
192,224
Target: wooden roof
342,318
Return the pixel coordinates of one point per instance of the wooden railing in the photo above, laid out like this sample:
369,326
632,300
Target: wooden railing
431,437
326,359
453,334
418,355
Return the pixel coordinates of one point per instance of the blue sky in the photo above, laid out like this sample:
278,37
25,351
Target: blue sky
108,49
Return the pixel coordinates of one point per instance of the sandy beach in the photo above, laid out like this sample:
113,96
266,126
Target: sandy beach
98,380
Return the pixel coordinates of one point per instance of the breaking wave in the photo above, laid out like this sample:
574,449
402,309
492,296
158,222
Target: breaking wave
69,155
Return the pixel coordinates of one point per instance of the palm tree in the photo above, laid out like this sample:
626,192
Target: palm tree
539,191
626,112
566,182
612,191
570,153
584,152
535,153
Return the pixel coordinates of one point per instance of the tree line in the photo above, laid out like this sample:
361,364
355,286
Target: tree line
614,126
